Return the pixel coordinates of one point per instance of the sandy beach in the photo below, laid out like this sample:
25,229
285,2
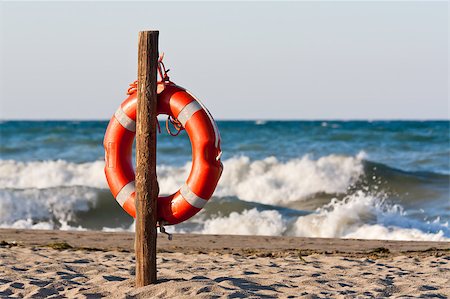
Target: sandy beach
295,149
60,264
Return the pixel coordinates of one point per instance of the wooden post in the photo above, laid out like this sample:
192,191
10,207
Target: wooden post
147,189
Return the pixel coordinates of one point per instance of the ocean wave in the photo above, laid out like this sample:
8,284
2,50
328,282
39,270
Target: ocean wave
271,181
44,208
268,180
366,216
357,216
47,174
251,198
47,225
249,222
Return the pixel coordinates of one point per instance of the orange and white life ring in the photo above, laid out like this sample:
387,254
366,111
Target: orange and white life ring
202,130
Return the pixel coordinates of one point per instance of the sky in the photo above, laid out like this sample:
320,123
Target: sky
244,60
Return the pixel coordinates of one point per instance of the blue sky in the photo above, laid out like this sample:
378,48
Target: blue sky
245,60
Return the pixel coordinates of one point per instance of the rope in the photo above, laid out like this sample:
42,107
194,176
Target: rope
162,71
175,123
132,88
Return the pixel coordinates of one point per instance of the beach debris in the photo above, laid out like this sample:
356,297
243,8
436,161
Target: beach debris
301,254
380,250
60,245
7,244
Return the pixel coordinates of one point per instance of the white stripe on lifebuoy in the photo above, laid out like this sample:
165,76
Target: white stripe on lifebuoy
125,120
192,198
216,129
125,193
187,112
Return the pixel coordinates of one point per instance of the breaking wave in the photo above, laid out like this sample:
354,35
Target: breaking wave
357,216
333,196
47,174
267,181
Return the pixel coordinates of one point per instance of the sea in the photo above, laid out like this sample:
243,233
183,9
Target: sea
330,179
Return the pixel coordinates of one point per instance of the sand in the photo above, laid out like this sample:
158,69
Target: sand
94,264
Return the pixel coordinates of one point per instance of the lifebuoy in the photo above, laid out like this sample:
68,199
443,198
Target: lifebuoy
204,135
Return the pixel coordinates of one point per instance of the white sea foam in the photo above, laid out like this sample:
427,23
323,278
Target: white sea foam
266,181
366,217
47,174
130,228
47,225
28,224
47,194
270,181
45,209
357,216
249,222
